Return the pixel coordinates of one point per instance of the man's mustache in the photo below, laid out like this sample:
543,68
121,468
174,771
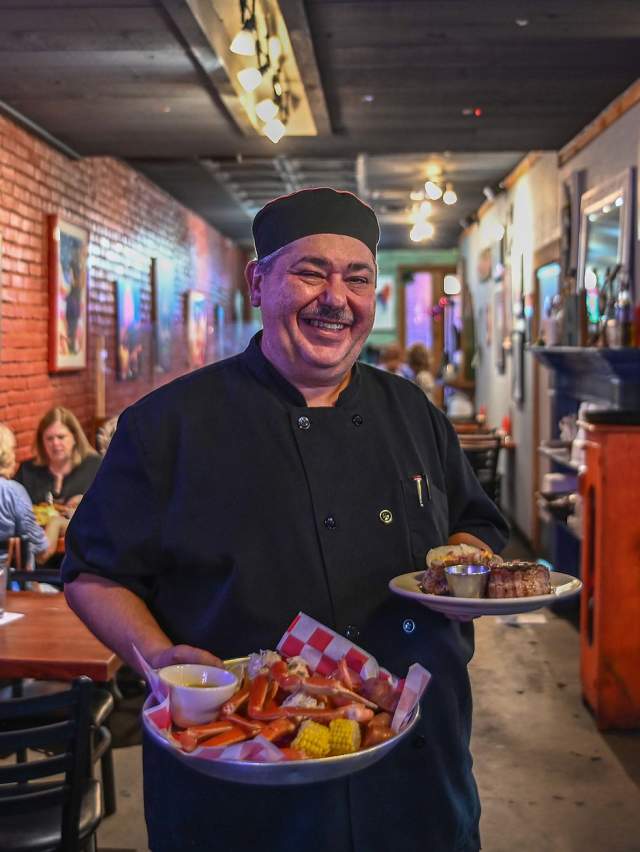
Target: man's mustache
329,314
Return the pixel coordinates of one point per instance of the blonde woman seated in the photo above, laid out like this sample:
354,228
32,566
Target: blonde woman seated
16,512
420,362
65,462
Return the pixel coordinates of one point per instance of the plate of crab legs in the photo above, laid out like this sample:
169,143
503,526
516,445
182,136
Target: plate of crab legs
254,739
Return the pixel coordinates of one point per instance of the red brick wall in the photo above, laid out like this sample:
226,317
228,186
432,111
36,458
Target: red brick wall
129,221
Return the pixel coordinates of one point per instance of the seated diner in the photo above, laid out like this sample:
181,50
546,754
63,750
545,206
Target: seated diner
64,464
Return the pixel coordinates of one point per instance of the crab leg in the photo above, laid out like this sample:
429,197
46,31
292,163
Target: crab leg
278,728
235,735
252,727
325,686
235,702
257,698
190,737
319,714
280,673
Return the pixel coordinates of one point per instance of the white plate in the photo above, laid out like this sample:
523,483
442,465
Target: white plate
407,585
287,772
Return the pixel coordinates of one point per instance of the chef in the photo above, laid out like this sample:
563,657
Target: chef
289,478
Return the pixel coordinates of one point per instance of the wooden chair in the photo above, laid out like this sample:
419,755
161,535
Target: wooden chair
11,552
482,453
39,811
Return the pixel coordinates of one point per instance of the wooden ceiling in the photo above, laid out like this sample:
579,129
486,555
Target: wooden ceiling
391,84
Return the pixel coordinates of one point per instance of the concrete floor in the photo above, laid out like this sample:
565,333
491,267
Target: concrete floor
549,781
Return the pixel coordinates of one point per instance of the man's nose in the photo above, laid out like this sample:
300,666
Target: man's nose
335,291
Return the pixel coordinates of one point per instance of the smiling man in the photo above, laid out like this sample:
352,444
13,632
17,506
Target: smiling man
292,478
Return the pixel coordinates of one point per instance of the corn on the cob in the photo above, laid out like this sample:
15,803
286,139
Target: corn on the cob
312,739
344,736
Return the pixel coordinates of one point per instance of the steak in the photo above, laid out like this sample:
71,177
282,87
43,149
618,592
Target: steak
518,580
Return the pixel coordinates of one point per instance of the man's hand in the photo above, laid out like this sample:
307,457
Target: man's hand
184,654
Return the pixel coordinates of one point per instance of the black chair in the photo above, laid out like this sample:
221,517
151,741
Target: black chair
101,706
482,453
39,811
102,700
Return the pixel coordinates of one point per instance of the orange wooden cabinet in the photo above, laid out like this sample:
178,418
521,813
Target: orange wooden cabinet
610,603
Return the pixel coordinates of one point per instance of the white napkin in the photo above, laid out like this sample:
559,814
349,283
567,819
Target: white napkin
8,617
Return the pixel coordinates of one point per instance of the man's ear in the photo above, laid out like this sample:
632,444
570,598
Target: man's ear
254,279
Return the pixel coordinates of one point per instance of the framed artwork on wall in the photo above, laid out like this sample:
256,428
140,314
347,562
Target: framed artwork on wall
163,288
130,332
498,319
517,371
385,304
68,251
197,327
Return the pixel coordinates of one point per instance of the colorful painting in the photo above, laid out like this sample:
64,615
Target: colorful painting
163,286
197,327
68,246
385,304
485,265
130,342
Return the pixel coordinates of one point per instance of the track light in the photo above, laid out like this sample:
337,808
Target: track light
274,130
432,190
250,79
488,193
266,109
421,231
449,196
244,42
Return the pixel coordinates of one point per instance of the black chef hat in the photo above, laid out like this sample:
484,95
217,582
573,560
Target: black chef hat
313,211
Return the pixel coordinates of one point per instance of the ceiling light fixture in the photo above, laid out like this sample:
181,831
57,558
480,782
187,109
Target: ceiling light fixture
274,49
266,109
416,195
449,196
451,285
421,231
274,130
249,78
432,190
244,43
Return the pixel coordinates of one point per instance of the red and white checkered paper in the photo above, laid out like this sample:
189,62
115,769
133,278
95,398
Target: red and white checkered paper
322,649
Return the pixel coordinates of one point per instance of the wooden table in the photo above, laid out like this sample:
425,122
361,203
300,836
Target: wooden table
50,642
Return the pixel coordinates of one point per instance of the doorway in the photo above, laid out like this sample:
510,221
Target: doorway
418,318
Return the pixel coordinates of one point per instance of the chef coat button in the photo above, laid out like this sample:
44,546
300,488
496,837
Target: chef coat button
304,423
357,420
408,625
419,741
330,522
352,632
385,516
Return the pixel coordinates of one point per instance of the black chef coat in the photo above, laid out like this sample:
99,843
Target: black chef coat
228,505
